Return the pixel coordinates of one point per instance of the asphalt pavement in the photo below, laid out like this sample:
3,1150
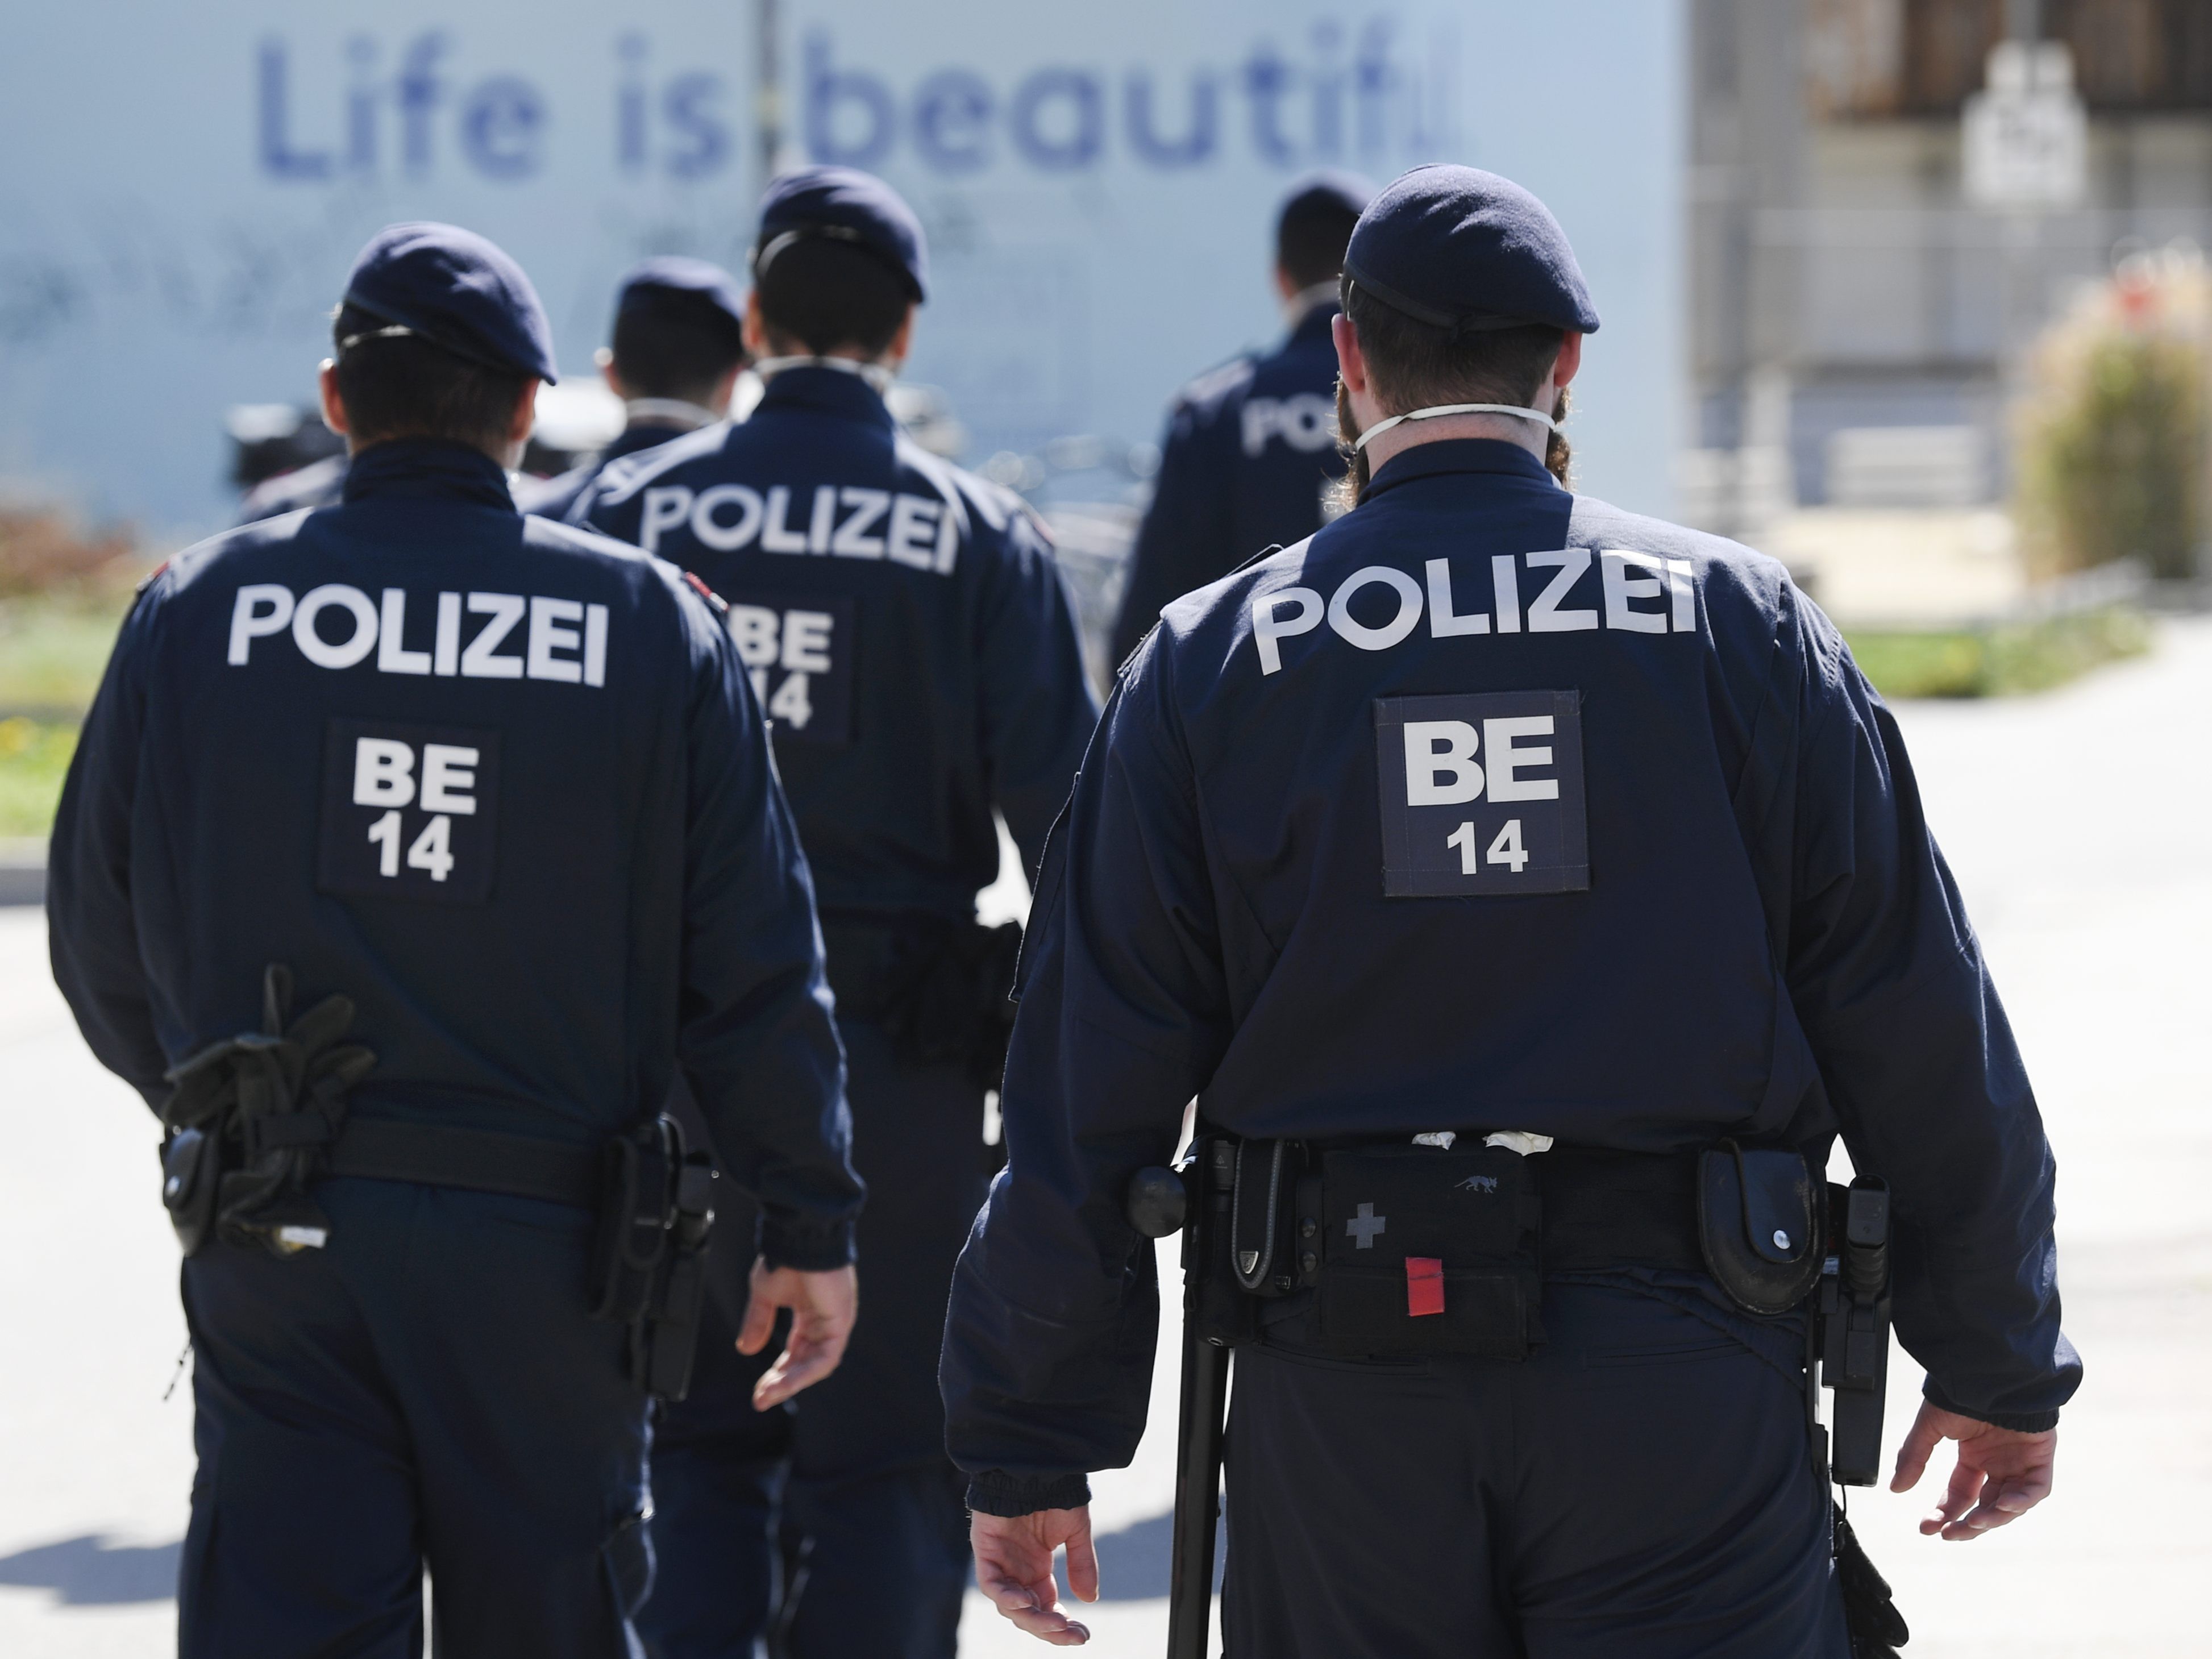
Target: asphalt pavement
2080,825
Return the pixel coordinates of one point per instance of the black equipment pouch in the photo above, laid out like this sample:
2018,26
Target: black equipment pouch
1759,1225
1422,1250
267,1105
1877,1629
648,1256
191,1172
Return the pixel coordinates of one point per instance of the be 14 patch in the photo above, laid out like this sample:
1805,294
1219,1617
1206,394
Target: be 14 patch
1482,794
408,812
799,652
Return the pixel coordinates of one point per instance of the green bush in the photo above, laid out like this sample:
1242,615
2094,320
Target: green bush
2000,661
35,757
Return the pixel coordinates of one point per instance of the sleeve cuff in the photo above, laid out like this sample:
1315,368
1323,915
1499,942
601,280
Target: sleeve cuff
812,1246
992,1492
2018,1422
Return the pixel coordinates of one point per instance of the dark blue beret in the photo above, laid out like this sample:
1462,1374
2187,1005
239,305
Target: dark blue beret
850,206
676,275
1329,190
1465,250
458,291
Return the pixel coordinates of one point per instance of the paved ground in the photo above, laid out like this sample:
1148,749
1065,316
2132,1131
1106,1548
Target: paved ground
2078,823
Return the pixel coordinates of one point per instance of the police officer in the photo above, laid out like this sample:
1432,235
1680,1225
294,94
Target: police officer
493,793
1495,814
1251,446
677,348
907,629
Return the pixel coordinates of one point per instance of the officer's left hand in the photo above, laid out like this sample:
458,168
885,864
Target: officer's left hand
2008,1471
823,1308
1013,1567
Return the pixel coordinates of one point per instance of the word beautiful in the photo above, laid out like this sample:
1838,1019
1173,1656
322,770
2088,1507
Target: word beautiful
1631,581
564,639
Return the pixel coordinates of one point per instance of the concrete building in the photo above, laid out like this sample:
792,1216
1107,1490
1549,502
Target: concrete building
1854,318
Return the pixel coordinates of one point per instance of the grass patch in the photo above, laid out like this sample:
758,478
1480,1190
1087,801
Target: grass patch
2000,661
35,757
54,647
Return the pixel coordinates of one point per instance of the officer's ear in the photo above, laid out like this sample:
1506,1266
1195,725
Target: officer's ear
334,415
756,329
518,425
902,342
1568,362
1351,361
605,359
726,389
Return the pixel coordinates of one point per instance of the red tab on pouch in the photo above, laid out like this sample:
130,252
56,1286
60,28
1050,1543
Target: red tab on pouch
1425,1285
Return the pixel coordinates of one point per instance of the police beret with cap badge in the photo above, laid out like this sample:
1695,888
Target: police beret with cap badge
1458,248
671,273
847,205
455,289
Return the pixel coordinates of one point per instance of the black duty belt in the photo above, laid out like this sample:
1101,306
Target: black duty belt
478,1160
1606,1209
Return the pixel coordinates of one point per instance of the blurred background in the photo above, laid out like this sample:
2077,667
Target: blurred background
1910,293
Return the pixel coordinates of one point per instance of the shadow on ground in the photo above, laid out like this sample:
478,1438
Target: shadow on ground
1136,1564
89,1571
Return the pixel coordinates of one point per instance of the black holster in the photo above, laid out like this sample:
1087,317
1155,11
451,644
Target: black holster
648,1257
251,1121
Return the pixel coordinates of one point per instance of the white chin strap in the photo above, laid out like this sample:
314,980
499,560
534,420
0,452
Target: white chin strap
877,375
1514,410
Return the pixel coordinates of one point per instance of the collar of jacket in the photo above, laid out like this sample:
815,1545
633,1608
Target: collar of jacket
427,466
831,391
1313,323
1457,455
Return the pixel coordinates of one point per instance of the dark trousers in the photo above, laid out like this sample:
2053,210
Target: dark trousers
873,1521
1641,1485
427,1389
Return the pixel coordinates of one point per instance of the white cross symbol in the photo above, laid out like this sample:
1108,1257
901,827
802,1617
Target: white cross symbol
1364,1227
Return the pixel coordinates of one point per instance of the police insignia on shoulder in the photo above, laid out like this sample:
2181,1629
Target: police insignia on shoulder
716,602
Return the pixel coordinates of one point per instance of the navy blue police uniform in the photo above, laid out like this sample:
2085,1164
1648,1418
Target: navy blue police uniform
1491,808
652,424
907,631
502,784
318,484
1250,453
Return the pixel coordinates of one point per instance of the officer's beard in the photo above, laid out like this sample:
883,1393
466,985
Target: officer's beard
1558,453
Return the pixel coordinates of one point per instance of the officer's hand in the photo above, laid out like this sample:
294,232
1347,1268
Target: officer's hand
1013,1567
823,1306
2008,1471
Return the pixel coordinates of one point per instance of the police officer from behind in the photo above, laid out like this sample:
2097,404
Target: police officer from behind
1251,448
1494,811
907,629
490,797
677,349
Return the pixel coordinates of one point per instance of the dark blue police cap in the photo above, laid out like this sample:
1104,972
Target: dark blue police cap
1458,248
1328,191
676,275
849,206
456,291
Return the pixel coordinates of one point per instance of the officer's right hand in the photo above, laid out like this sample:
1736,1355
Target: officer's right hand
823,1306
1013,1567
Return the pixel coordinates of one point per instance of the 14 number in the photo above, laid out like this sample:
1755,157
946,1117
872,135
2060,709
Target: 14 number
1506,849
432,851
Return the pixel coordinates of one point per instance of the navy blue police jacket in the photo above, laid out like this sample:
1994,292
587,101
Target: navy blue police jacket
501,782
555,497
318,484
1251,449
905,625
1492,806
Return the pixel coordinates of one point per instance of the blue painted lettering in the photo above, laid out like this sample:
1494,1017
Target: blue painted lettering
1198,140
1059,140
952,112
500,125
277,155
830,137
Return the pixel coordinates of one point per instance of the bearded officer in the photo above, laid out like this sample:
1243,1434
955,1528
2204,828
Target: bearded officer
674,356
907,631
493,796
1491,811
1251,455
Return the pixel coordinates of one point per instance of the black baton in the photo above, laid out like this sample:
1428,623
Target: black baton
1159,1203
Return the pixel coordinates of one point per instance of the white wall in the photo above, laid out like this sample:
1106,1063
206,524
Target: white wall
185,186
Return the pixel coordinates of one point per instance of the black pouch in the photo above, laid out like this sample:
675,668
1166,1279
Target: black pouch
1877,1629
1424,1250
1759,1224
192,1175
